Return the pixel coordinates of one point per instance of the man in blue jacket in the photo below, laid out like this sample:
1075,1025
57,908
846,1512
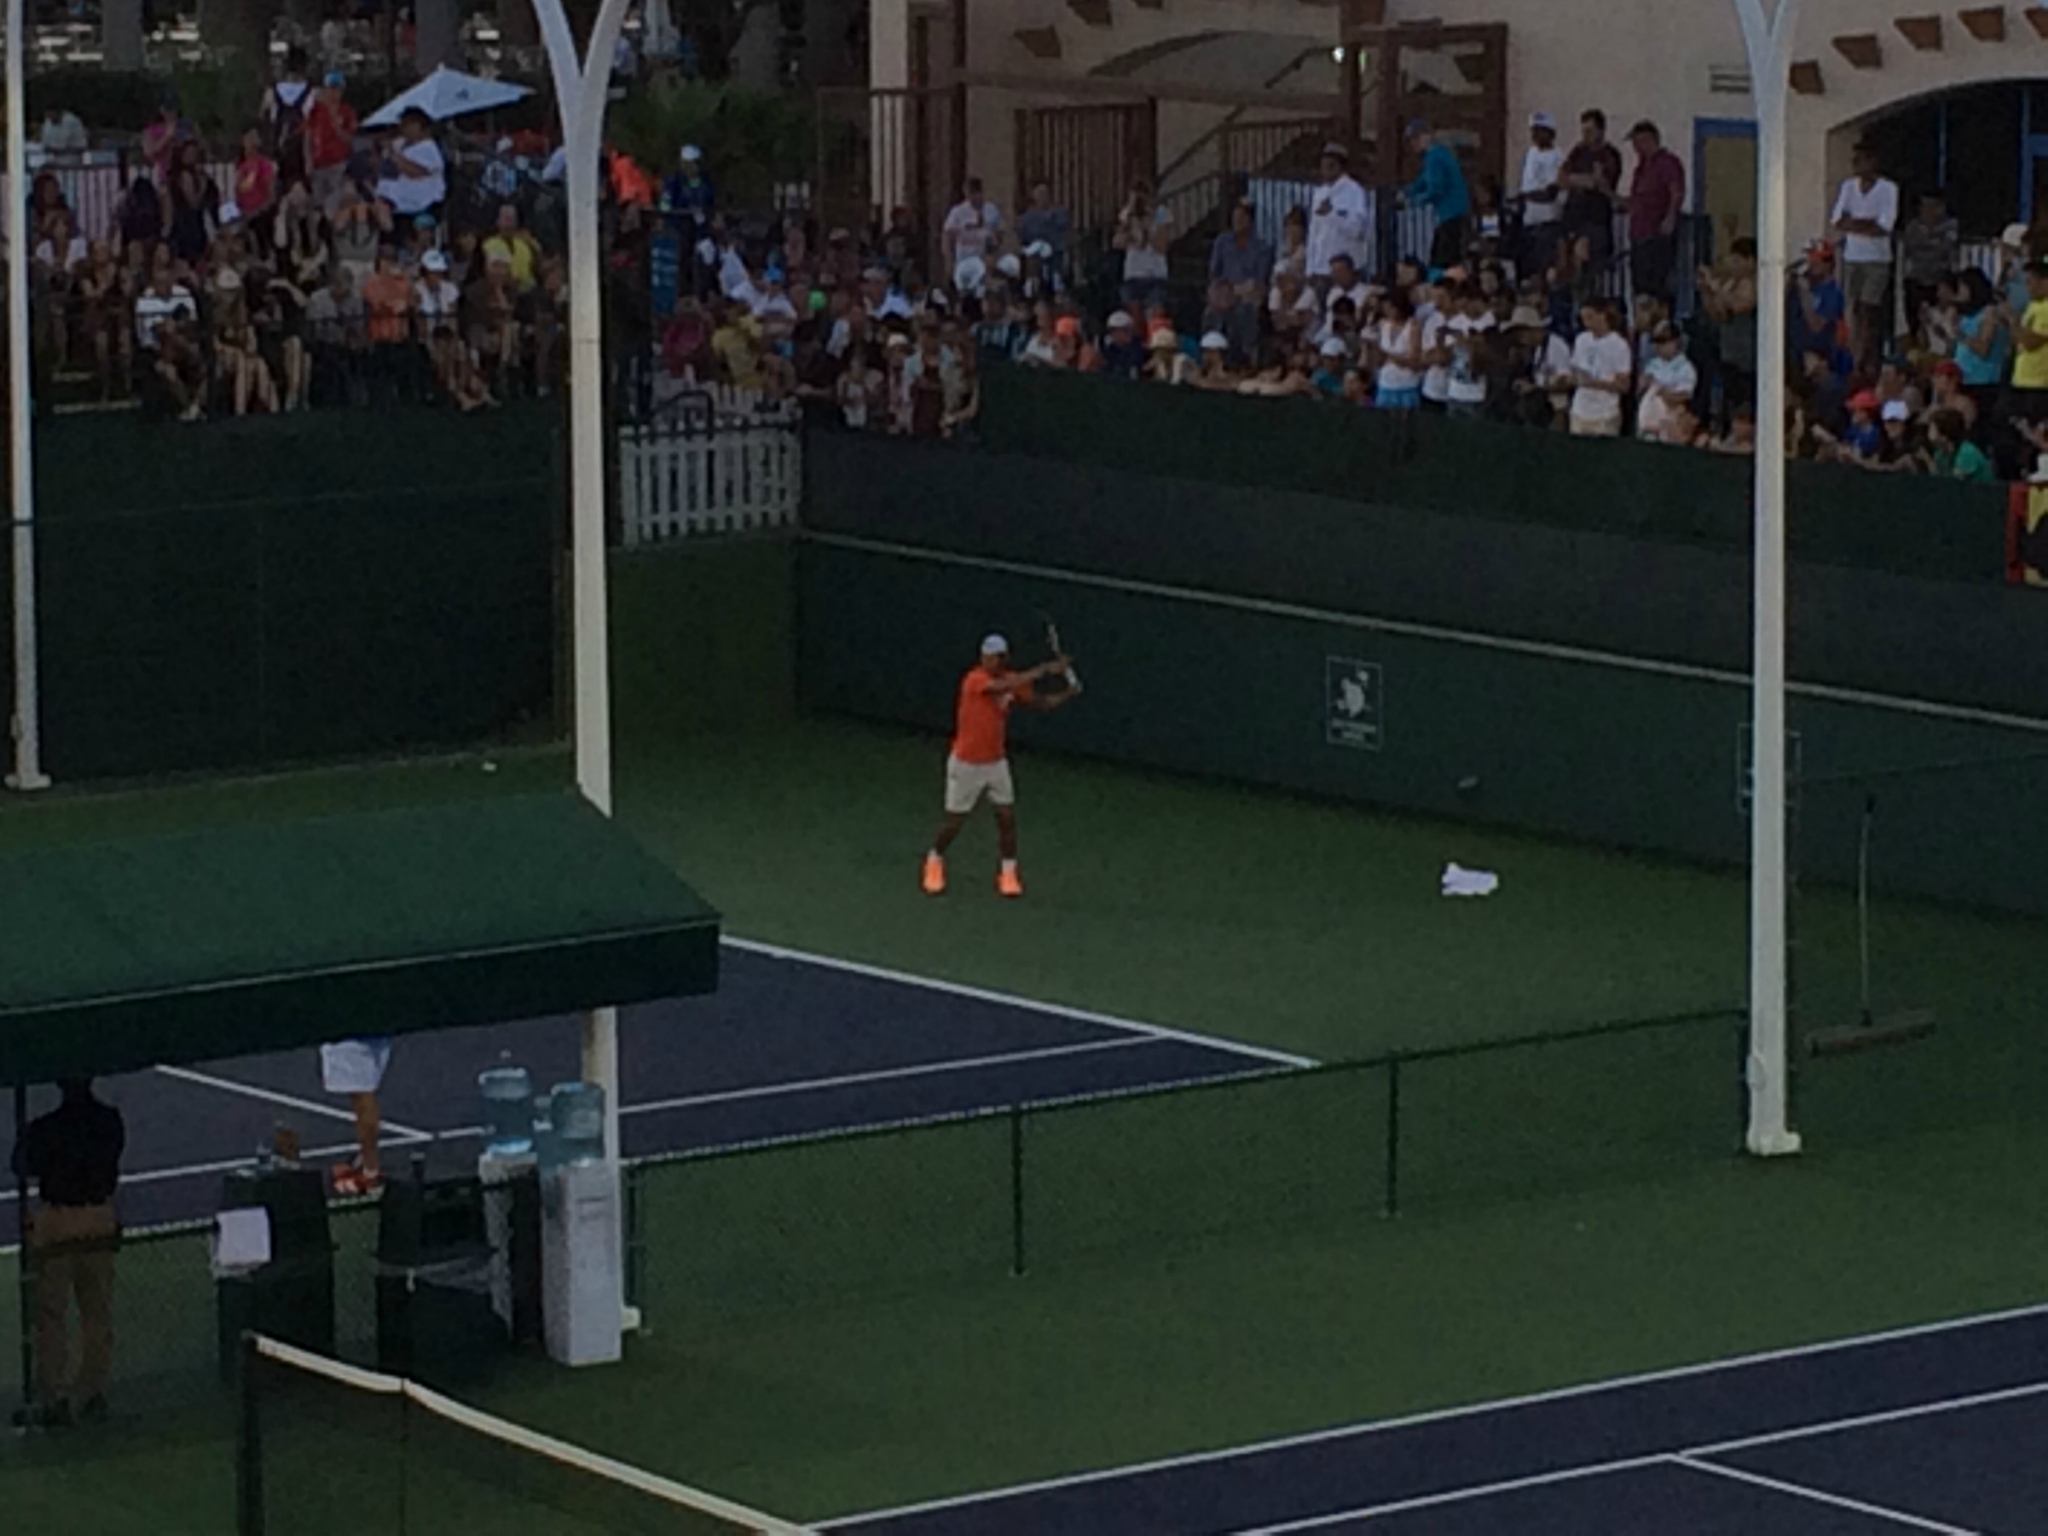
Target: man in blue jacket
1440,187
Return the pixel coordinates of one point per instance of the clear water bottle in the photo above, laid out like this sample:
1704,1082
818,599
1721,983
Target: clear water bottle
508,1113
578,1113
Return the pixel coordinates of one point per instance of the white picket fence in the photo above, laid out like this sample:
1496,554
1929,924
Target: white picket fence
733,468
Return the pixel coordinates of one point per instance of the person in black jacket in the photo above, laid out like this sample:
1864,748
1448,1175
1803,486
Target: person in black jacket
73,1157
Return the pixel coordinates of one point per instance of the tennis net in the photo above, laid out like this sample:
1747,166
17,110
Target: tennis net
330,1448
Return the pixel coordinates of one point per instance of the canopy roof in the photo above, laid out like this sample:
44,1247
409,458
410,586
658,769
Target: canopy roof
119,955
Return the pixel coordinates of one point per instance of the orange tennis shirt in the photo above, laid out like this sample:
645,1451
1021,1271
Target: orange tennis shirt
981,719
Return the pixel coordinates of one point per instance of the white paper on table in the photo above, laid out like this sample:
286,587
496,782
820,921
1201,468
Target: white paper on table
241,1240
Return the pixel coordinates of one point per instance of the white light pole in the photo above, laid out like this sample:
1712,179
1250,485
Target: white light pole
1769,40
25,721
581,86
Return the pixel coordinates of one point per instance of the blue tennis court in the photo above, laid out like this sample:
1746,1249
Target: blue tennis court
1927,1429
790,1045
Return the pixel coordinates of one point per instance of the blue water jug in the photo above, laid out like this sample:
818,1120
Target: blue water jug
508,1109
578,1114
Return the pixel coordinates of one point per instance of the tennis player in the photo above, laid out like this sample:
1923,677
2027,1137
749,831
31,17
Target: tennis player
356,1068
979,762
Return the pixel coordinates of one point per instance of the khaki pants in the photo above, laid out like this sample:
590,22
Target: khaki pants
72,1259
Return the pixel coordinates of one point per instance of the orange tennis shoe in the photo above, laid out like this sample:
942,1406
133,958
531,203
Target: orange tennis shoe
934,880
1009,882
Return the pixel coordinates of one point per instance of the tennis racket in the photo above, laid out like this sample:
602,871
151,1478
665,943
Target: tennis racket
1052,639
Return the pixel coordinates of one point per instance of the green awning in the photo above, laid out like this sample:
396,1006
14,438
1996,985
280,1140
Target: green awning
119,955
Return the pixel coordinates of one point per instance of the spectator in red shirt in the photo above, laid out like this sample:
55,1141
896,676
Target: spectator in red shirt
330,140
1655,199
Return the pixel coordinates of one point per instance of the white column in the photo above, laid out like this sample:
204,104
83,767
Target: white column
580,92
1770,1135
26,716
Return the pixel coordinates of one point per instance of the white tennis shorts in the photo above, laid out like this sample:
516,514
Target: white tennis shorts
354,1066
966,783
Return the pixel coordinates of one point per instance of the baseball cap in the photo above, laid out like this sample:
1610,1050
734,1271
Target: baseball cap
2015,236
1897,410
1009,266
1215,341
1042,249
434,261
1416,127
1527,318
1121,321
1336,151
994,645
1542,120
1864,400
692,154
335,79
1333,348
1163,340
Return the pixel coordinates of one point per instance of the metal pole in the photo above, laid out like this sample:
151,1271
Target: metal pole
580,91
1392,1206
26,719
1770,1135
25,1297
1016,1189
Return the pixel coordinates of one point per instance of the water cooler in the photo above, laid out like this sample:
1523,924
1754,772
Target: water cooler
561,1137
579,1202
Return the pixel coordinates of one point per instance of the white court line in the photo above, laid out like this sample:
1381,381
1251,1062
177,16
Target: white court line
1870,1420
884,1075
1817,1496
405,1134
1459,1495
1444,1415
1013,1000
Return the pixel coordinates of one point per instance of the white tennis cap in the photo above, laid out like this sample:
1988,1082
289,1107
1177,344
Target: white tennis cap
995,645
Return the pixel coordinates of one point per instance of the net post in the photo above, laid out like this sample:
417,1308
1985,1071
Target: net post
1016,1189
249,1446
24,1278
1392,1205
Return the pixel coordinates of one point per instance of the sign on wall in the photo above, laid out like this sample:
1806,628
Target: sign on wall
1353,701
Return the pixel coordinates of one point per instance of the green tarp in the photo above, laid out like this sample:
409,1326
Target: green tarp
249,938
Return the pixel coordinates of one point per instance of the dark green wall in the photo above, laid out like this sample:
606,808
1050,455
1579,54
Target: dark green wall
1980,644
1621,756
1910,525
270,591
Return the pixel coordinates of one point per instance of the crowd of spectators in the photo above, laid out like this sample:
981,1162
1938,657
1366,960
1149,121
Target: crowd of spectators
339,266
1507,316
331,266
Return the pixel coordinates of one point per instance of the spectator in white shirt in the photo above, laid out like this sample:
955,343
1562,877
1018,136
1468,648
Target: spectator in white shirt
63,133
1397,344
973,228
413,177
1431,310
1664,409
1337,220
1602,364
1470,330
1542,198
1866,213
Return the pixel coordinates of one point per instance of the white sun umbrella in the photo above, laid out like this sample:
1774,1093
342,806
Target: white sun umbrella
447,93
